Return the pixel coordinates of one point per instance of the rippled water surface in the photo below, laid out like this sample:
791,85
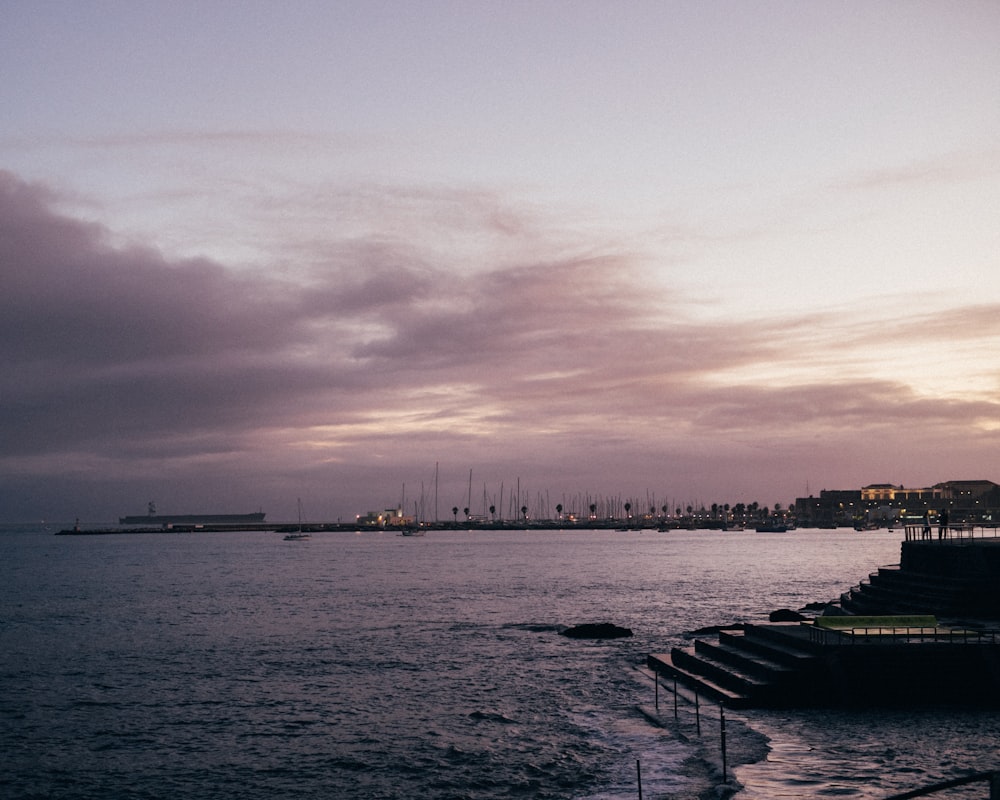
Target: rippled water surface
376,666
872,754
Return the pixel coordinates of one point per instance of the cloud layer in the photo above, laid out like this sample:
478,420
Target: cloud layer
367,356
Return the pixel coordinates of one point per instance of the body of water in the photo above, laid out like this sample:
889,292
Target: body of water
239,665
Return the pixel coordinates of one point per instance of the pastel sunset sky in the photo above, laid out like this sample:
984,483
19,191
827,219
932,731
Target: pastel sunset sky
699,251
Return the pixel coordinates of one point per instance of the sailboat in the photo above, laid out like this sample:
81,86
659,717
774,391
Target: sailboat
414,528
300,534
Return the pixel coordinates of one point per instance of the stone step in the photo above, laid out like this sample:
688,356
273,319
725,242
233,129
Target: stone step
908,579
744,662
789,644
721,674
893,596
902,584
897,601
855,603
663,665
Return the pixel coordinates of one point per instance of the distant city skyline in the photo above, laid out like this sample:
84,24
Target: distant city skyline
513,502
714,251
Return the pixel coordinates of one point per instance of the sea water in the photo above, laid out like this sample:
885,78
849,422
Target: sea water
370,665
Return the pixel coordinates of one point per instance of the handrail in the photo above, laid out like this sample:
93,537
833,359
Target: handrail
869,635
992,777
956,530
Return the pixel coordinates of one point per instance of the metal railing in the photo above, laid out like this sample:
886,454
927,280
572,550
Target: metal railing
899,635
694,703
953,531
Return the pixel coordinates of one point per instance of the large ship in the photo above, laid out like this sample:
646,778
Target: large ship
152,518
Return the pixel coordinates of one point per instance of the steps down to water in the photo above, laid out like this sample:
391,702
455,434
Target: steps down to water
759,666
780,665
896,590
783,664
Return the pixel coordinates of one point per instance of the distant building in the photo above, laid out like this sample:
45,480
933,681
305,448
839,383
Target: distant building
966,490
887,501
390,518
887,492
833,507
845,496
972,500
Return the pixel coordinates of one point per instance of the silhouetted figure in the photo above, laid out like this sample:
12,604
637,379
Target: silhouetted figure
927,524
943,523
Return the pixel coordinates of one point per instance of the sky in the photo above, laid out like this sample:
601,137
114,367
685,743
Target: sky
357,252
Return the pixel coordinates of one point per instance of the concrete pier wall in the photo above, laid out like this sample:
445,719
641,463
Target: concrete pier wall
914,675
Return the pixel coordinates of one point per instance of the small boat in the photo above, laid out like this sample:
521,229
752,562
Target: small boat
300,534
772,527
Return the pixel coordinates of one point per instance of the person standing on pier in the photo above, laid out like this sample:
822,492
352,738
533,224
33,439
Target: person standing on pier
943,523
927,524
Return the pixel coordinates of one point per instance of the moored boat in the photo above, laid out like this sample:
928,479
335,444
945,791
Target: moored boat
772,527
300,534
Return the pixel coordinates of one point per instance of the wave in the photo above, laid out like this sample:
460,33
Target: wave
534,627
491,716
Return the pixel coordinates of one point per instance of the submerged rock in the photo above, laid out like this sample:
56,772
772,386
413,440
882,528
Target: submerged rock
597,630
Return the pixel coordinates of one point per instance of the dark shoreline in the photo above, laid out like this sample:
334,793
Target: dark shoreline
354,527
168,529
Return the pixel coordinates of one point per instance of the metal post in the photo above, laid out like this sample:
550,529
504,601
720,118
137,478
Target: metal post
638,774
656,691
697,714
675,699
722,734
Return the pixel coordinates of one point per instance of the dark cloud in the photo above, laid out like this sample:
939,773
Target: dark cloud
128,373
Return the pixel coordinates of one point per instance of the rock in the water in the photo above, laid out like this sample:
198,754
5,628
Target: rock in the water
786,615
597,630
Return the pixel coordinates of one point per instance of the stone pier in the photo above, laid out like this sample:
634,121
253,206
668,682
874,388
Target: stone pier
920,634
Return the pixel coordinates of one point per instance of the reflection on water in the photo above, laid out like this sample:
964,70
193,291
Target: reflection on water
871,754
241,666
